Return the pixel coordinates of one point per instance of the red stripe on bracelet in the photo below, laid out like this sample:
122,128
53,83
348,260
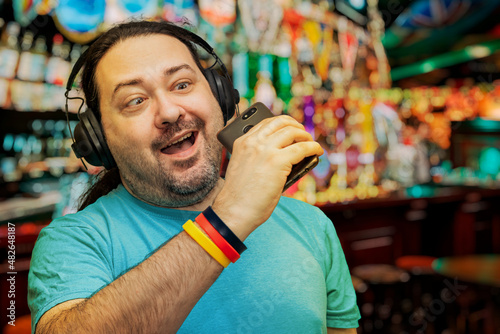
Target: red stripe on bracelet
218,239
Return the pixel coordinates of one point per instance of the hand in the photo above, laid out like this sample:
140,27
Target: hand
260,164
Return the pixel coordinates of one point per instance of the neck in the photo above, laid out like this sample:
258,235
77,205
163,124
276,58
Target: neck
200,206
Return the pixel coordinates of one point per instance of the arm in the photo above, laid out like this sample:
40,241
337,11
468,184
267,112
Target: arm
158,294
139,300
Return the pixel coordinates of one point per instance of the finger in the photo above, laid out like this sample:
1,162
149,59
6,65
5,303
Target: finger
287,136
297,152
277,140
270,125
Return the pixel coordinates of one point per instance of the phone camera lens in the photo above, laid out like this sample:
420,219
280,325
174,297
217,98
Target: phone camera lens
247,128
249,113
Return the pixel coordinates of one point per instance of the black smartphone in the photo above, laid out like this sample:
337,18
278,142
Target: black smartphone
248,119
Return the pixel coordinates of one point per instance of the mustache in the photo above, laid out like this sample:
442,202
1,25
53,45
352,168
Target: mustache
174,128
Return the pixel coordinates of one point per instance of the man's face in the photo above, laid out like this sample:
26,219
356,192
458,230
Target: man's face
160,119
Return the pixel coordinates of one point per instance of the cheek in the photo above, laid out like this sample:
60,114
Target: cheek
215,116
126,136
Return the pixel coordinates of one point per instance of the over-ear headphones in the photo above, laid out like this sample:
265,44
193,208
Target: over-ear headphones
89,141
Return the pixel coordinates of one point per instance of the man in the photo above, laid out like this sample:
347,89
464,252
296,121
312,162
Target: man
124,265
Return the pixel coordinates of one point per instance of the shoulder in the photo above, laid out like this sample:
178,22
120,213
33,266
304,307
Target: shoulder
92,222
299,209
116,200
303,218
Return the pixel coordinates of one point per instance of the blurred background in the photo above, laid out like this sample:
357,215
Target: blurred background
403,95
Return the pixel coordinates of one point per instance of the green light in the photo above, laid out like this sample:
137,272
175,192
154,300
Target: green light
485,125
489,161
447,59
478,51
420,191
417,191
427,67
358,4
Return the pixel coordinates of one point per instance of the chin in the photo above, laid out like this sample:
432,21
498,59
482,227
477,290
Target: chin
177,190
176,184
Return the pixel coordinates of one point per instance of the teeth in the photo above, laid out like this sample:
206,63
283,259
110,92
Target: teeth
181,139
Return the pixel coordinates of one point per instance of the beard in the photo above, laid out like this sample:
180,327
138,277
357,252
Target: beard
155,184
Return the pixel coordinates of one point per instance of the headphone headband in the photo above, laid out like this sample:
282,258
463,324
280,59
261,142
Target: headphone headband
76,68
193,38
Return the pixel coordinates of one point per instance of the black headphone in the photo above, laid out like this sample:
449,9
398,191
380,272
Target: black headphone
88,140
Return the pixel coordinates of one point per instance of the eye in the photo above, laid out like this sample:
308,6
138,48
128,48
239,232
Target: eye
135,102
182,85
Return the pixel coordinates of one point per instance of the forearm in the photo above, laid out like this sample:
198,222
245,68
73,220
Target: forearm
154,297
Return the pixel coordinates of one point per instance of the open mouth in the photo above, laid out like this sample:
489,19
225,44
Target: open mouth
180,145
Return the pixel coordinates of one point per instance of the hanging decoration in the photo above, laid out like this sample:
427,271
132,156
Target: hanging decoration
139,8
24,11
179,10
44,7
434,13
348,44
218,13
80,21
261,20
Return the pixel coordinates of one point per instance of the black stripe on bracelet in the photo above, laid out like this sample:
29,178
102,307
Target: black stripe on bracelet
223,230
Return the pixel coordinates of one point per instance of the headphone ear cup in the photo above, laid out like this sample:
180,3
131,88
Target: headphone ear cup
90,143
104,152
83,146
224,93
232,97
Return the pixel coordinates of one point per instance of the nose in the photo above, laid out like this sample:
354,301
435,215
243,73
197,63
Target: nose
167,110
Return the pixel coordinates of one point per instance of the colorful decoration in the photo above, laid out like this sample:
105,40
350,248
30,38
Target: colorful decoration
261,20
434,13
80,16
80,21
218,13
139,8
178,10
489,106
24,11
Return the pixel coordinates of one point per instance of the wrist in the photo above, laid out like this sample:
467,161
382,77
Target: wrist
234,220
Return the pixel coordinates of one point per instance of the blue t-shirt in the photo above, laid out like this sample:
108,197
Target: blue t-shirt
292,279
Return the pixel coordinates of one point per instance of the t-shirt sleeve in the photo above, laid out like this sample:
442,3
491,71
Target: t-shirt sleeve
69,261
342,310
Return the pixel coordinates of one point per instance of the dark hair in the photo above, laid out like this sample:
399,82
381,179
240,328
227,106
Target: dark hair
110,179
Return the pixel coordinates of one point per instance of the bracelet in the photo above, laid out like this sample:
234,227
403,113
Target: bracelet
223,230
205,242
222,243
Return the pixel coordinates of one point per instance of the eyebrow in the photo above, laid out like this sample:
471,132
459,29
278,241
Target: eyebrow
168,72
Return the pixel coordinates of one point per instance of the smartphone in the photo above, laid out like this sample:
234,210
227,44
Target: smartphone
248,119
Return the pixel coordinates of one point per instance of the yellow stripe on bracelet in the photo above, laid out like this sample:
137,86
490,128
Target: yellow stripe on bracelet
205,242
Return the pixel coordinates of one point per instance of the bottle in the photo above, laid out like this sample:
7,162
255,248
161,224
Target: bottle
51,74
37,72
9,51
21,89
76,52
64,67
25,59
4,83
39,59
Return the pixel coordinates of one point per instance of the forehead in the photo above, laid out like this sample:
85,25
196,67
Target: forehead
141,56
